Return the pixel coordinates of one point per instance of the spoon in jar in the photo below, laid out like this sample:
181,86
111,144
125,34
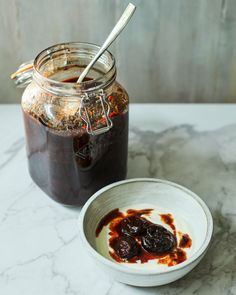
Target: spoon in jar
120,25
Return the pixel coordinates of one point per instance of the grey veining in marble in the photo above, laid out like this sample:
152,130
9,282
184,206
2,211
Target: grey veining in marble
40,249
205,162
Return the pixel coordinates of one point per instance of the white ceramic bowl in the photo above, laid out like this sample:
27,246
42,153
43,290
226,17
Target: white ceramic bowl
169,196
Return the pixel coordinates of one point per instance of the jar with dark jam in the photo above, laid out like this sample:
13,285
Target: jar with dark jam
76,133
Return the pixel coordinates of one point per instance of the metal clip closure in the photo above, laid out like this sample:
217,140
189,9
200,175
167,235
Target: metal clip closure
95,111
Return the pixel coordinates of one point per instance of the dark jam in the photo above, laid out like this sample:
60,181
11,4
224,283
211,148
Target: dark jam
168,219
74,79
107,219
134,238
70,165
185,241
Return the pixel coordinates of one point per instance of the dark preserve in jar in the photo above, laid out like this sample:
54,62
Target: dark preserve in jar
67,160
71,167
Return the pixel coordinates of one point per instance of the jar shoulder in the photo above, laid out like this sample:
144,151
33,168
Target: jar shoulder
118,98
120,88
63,112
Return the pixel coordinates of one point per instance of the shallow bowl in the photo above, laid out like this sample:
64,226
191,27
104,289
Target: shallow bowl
190,211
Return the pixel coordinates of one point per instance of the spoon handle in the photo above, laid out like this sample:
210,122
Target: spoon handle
120,25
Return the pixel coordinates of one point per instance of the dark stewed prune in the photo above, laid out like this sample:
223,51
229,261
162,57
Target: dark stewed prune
126,247
158,240
133,225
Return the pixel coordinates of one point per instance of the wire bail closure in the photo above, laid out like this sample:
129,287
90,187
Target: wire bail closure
97,100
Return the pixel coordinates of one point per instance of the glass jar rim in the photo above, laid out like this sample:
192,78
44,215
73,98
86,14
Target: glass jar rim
90,85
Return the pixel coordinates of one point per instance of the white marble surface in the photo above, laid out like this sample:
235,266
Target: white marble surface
40,249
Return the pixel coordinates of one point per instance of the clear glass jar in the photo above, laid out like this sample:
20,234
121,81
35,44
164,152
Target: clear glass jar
76,133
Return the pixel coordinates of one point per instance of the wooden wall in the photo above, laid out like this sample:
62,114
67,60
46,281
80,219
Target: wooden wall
172,51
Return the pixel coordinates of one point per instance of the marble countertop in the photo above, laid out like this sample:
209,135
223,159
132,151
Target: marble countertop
40,248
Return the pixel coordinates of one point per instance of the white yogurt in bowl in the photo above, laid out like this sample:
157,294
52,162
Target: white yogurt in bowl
181,227
189,212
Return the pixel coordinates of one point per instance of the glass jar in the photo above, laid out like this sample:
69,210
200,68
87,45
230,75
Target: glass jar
76,133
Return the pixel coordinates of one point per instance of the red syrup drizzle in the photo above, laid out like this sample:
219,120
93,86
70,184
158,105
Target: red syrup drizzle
113,215
115,218
168,219
185,241
175,257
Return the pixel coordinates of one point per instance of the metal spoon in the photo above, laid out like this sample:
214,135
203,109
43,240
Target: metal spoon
120,25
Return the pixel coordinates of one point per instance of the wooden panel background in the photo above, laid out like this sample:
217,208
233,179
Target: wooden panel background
172,51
